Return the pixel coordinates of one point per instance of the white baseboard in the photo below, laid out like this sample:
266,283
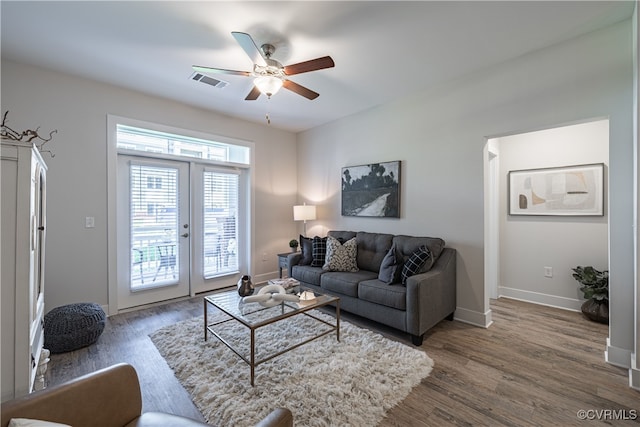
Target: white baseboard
564,303
474,318
264,278
634,374
617,356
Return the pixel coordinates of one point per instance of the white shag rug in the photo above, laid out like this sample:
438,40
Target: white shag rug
353,382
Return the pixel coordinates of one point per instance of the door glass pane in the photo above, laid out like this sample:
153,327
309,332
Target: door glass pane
154,225
220,238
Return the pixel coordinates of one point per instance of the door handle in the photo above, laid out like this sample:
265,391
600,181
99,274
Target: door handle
185,235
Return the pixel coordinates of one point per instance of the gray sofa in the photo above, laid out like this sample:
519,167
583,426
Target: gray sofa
427,297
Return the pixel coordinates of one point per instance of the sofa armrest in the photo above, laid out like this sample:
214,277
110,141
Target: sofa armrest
109,397
431,296
293,259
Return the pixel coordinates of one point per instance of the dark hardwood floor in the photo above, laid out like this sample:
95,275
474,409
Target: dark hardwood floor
535,366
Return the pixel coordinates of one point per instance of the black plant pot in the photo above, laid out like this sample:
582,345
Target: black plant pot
598,311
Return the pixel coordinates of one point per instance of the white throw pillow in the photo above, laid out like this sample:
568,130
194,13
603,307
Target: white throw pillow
341,257
26,422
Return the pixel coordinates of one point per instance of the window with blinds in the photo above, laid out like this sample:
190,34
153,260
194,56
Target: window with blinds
185,195
154,225
220,239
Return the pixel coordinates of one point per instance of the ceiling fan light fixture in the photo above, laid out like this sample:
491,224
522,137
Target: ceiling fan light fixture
268,85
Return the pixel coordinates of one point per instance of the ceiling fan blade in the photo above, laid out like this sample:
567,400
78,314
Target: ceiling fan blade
312,65
209,70
300,90
249,46
253,95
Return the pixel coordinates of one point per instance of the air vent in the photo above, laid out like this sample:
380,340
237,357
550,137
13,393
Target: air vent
199,77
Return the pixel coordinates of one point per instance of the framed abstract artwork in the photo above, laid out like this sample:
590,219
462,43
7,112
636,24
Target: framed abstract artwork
564,191
371,190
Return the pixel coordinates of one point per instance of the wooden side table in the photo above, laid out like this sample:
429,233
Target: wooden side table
283,261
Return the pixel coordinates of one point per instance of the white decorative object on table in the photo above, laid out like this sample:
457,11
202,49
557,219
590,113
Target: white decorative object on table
271,295
307,296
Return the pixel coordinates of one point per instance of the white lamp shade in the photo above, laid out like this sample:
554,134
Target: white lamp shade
268,85
304,212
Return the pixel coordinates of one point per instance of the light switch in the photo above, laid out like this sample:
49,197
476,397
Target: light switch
89,222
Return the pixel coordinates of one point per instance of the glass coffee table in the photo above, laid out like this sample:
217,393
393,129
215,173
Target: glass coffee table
254,316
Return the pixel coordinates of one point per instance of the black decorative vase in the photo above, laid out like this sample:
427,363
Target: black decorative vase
598,311
245,286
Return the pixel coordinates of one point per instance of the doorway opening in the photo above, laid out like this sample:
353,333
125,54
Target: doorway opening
530,257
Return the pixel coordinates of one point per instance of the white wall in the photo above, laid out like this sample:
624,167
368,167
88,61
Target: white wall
634,373
530,243
439,135
76,260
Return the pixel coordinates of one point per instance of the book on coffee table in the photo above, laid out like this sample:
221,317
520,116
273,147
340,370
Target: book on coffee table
287,283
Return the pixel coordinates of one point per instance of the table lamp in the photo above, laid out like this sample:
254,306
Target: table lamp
304,213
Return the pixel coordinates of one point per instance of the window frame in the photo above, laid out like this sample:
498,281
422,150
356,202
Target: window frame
113,151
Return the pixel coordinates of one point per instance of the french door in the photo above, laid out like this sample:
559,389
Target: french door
178,229
153,230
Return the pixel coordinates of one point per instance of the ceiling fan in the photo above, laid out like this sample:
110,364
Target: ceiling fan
270,75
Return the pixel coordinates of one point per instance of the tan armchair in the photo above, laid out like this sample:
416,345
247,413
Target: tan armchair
109,397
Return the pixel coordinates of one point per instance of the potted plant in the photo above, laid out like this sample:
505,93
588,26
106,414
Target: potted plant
595,287
293,244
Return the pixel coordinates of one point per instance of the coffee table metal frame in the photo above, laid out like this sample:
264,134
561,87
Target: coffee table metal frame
218,301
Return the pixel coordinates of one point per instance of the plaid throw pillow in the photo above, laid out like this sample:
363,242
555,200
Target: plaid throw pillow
415,263
318,251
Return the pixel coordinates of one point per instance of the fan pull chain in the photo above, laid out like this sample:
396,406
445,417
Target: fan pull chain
266,116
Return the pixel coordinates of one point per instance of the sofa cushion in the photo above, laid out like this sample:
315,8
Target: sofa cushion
341,257
307,274
378,292
345,283
406,245
415,262
390,268
319,251
306,247
372,248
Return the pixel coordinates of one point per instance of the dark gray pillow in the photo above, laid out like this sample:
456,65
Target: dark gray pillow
390,267
415,262
318,251
306,246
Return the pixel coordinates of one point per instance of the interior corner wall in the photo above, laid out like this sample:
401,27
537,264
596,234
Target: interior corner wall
440,134
76,257
634,373
528,244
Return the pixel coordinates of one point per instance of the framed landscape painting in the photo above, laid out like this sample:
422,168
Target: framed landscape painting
371,190
565,191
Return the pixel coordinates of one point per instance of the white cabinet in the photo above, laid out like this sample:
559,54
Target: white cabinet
23,216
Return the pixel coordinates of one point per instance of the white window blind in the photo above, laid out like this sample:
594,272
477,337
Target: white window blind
220,222
154,201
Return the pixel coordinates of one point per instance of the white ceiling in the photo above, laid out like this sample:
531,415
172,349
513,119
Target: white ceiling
382,50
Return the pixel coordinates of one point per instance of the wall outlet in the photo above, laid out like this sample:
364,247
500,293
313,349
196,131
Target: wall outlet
548,272
264,256
89,222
